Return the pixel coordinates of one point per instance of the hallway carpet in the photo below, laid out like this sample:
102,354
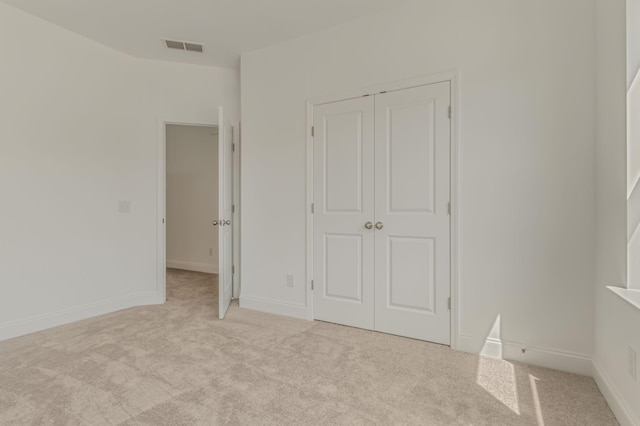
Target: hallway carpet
177,364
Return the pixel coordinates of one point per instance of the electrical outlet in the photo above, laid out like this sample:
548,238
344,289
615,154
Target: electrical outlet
632,363
289,280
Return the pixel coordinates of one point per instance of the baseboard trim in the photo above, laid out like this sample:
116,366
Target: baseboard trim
618,405
193,266
512,351
273,306
42,322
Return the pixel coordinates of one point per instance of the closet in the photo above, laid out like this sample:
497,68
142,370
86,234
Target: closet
381,222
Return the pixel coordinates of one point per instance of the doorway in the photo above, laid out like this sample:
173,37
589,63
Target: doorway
191,211
220,218
192,197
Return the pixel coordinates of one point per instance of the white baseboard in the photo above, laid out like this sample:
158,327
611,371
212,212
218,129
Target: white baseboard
41,322
193,266
512,351
618,405
273,306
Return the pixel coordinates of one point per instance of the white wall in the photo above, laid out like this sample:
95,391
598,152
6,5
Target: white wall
526,158
617,321
192,198
633,129
633,39
78,133
617,328
633,143
633,175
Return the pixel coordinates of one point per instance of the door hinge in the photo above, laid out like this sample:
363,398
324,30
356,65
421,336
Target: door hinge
233,269
313,208
163,220
313,131
233,147
311,285
449,112
233,208
449,208
449,303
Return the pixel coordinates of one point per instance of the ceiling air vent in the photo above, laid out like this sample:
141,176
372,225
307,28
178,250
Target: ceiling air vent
183,45
193,47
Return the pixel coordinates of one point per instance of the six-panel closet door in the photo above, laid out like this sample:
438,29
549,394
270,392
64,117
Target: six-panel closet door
381,221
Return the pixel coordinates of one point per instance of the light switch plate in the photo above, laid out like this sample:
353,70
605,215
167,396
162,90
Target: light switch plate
124,206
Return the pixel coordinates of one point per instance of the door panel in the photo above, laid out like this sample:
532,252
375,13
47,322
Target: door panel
343,276
411,155
343,188
411,273
412,162
343,157
225,196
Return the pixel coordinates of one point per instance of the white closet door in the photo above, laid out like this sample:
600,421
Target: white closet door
343,198
412,161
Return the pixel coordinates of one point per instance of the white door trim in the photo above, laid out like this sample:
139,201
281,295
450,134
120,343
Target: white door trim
453,78
161,187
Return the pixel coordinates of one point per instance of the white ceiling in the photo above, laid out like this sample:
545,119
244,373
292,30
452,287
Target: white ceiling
225,27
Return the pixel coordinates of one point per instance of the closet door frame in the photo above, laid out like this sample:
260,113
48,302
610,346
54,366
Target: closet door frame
451,77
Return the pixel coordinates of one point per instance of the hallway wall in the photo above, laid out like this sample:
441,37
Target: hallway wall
192,198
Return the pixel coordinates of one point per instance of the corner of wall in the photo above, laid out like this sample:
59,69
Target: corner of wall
616,402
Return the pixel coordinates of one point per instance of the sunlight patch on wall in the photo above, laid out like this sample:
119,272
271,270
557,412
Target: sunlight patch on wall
493,343
494,375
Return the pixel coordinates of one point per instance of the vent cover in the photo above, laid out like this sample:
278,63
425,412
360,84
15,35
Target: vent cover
184,45
193,47
174,44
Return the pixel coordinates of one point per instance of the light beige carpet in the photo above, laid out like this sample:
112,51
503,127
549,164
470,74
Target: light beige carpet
177,364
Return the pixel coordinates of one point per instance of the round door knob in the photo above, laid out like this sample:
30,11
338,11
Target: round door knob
214,223
379,225
368,225
227,222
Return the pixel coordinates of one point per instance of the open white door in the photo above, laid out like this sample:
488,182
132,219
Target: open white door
225,194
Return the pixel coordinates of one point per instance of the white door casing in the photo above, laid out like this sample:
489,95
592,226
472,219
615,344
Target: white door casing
225,200
343,203
384,159
412,185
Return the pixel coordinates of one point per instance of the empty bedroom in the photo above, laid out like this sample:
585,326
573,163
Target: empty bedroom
319,212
